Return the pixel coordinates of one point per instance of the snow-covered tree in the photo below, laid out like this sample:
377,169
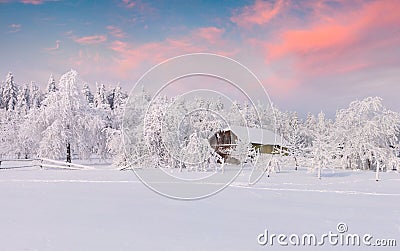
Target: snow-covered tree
153,119
235,115
242,150
309,127
1,95
65,120
367,133
133,133
119,97
323,145
35,96
119,100
196,153
10,92
250,115
28,138
267,116
216,105
23,100
100,99
268,164
51,85
295,138
8,133
87,93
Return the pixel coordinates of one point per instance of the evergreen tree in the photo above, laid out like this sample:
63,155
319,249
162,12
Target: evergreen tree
23,100
119,97
87,93
100,98
35,96
51,85
1,95
10,92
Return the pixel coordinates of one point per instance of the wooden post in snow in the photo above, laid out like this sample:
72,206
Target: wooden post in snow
319,172
68,152
377,171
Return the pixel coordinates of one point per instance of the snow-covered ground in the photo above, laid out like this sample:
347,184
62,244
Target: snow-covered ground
112,210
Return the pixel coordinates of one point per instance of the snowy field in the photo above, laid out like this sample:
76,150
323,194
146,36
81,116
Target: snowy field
112,210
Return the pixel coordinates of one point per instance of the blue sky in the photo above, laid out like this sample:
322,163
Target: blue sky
310,55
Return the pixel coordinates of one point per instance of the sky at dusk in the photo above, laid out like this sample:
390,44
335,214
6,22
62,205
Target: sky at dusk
309,55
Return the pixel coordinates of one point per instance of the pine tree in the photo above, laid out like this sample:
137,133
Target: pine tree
10,92
35,96
23,104
235,115
110,98
119,97
251,116
1,95
51,85
100,98
87,93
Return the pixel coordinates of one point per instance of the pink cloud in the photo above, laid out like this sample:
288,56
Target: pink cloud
211,34
96,39
261,12
57,46
129,56
88,62
341,42
129,3
278,85
34,2
115,31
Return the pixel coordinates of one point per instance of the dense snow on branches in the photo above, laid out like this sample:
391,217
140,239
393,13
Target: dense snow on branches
69,120
61,123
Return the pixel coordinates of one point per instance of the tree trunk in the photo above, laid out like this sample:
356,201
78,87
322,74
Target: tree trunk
296,163
68,152
377,171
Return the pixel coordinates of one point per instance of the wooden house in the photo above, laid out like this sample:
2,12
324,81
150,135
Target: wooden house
266,141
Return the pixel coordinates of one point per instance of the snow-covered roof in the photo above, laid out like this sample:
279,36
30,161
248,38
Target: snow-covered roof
257,135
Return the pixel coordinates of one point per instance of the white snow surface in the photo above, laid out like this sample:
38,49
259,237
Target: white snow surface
257,135
105,209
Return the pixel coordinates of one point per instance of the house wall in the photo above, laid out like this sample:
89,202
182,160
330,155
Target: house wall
222,139
268,149
222,143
